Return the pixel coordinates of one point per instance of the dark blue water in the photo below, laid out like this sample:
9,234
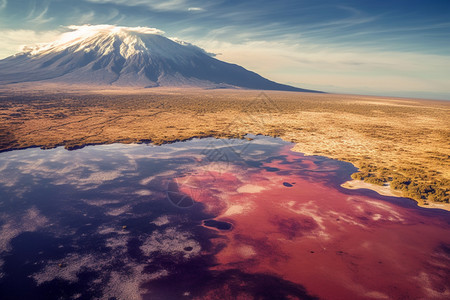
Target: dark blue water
109,222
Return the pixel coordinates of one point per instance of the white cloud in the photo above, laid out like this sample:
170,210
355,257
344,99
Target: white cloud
88,29
31,221
3,4
80,32
12,41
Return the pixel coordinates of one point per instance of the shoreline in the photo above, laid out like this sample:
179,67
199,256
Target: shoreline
386,190
353,184
376,135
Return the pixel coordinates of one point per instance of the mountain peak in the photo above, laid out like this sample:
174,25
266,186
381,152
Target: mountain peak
126,56
101,38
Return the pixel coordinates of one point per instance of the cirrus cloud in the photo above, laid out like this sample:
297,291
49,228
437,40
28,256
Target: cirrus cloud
3,4
158,5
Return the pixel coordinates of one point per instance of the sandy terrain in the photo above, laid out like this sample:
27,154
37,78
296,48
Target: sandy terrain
384,190
402,141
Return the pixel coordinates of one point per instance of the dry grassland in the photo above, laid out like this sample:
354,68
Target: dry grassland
404,142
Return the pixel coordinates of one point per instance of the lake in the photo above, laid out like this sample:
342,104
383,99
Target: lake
211,219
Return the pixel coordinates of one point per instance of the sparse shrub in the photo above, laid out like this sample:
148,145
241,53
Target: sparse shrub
359,175
375,180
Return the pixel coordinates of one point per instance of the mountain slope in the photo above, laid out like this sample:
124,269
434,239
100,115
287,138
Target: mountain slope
124,56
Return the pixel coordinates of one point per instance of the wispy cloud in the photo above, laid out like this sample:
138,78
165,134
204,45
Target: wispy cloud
158,5
196,9
41,18
38,13
3,4
87,17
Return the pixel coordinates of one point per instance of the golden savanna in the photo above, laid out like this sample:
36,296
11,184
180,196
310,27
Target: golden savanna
399,142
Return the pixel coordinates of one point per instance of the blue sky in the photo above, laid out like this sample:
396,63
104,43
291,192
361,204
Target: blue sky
398,48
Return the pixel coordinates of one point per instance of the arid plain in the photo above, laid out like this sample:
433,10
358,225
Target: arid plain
400,145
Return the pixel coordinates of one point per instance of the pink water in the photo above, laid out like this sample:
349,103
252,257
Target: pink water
338,244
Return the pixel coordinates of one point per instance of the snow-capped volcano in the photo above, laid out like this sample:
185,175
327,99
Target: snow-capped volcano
126,56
